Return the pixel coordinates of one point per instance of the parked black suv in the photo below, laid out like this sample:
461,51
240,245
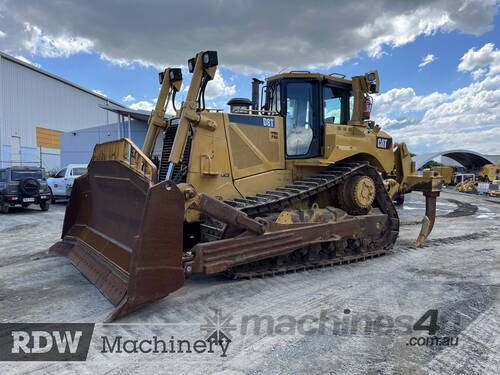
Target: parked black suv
23,186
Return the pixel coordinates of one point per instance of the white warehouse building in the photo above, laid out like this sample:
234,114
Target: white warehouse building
36,107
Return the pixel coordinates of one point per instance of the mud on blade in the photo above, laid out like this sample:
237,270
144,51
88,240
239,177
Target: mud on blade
125,235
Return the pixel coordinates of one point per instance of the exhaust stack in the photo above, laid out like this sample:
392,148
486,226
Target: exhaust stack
255,92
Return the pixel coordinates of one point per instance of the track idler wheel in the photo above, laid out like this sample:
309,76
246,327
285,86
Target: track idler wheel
356,195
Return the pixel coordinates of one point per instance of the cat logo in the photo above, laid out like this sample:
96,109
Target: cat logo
384,143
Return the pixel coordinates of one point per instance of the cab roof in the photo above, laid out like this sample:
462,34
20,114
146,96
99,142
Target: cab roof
336,77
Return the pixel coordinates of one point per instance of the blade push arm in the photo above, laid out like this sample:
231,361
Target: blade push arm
171,81
219,210
203,67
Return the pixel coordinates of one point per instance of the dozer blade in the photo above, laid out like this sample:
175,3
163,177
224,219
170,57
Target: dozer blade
125,235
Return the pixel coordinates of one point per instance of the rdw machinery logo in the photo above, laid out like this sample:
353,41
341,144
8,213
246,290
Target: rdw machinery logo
45,341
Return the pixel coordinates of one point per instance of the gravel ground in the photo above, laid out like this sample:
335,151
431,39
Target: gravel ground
349,319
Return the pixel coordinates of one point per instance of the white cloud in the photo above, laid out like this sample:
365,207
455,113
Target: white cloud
46,45
478,73
398,30
300,37
405,100
487,55
100,93
24,59
144,105
128,98
427,60
170,109
465,118
122,62
2,34
218,87
147,105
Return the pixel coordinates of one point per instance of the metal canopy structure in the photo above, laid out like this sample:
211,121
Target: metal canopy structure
469,159
137,114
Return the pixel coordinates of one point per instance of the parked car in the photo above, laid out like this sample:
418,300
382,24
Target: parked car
61,184
23,186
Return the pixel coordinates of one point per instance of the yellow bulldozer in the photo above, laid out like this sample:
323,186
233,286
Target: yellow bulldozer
489,172
446,172
296,178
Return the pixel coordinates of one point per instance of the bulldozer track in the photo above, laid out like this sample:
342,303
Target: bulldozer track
313,265
306,190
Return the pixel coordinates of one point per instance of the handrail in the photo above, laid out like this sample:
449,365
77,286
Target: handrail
337,74
126,151
261,112
245,111
217,110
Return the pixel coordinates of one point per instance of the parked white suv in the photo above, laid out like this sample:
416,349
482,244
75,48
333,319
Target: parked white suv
60,185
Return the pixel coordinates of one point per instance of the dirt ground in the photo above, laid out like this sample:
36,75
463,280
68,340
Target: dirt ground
349,319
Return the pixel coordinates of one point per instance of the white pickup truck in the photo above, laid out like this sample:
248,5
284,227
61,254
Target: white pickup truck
60,185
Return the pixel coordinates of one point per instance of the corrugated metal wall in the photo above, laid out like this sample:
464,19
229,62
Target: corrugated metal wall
30,99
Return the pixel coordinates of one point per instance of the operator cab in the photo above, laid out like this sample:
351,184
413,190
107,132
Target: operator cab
307,102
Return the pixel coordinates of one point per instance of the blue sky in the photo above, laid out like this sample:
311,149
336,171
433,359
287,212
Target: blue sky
451,101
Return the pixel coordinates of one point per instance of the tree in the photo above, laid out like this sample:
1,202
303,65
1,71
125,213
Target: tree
431,164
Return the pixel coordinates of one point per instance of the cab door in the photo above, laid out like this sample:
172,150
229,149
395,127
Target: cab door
302,120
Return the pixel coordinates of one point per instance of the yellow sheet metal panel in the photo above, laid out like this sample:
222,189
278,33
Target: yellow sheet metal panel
256,143
209,165
48,138
358,143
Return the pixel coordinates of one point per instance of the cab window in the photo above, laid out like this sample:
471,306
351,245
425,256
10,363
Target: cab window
61,173
351,106
276,98
78,171
299,118
337,106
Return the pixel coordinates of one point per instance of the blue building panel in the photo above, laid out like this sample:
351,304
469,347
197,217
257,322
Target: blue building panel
5,156
138,133
77,146
30,156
